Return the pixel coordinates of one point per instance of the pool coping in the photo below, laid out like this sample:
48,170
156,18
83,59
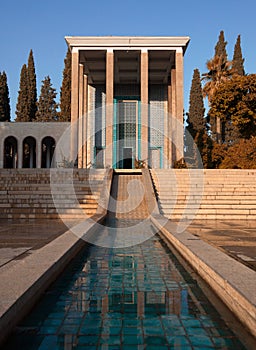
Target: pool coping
232,281
24,281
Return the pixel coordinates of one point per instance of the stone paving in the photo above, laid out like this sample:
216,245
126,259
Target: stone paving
19,237
235,238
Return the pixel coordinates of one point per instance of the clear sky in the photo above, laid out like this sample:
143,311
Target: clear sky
42,26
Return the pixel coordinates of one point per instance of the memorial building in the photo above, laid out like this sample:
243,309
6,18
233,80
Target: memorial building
126,106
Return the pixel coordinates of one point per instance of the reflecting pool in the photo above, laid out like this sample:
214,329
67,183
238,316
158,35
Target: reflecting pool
138,297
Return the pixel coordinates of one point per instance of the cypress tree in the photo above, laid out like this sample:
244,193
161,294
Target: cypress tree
65,92
196,123
196,120
220,48
32,91
238,61
47,106
5,110
22,109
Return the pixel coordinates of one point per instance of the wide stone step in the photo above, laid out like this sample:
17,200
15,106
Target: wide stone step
46,216
210,205
212,217
210,211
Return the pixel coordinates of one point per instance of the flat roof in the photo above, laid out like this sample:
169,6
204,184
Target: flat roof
127,42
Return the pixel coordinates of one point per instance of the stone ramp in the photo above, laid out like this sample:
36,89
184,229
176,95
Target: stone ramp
127,194
45,193
227,194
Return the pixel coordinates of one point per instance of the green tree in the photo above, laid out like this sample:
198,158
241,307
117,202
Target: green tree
220,48
241,155
235,102
65,92
238,61
196,120
47,106
22,107
196,123
219,71
5,110
32,91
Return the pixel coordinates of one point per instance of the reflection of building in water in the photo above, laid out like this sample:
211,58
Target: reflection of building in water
120,291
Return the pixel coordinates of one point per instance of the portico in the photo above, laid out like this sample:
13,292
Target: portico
127,100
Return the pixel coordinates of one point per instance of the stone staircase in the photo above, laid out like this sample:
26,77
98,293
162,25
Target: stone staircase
44,193
206,194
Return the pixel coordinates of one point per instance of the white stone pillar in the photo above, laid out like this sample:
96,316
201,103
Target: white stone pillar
74,103
179,104
39,154
169,109
109,106
85,110
144,104
20,153
81,113
174,115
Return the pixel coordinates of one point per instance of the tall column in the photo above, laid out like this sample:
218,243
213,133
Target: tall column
39,154
74,103
85,116
80,116
20,153
109,106
144,104
169,109
174,114
179,104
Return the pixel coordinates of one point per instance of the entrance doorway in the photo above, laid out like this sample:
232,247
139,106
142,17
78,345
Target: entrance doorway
126,133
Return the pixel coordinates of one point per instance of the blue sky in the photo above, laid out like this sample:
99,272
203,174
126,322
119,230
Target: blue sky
42,26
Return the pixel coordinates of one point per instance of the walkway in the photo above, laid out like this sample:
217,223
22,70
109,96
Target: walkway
235,238
18,238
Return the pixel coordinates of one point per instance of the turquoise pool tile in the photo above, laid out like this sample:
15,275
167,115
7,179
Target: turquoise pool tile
110,347
47,330
52,322
132,323
88,340
68,329
155,340
112,331
113,278
109,322
201,341
129,339
159,347
89,331
132,330
111,340
171,331
153,322
226,343
133,347
50,342
178,341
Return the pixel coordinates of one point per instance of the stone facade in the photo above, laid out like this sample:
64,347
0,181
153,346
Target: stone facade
127,100
21,139
126,107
